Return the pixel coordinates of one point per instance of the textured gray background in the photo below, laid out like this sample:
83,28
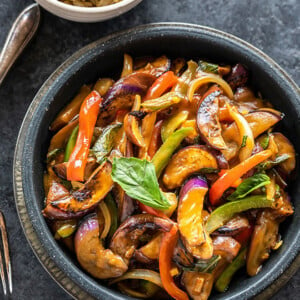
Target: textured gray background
272,25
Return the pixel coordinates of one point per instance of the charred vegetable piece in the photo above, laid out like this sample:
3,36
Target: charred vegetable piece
162,102
170,125
223,281
155,141
131,125
122,93
126,238
177,65
105,143
225,212
92,193
264,238
198,285
185,162
234,226
99,262
208,121
238,77
71,110
189,218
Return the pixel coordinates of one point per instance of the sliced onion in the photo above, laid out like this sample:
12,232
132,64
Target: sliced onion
143,274
127,290
245,131
211,78
196,182
107,219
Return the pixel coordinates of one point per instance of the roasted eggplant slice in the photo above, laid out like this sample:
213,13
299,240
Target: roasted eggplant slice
226,246
233,227
208,120
83,199
238,77
122,93
185,162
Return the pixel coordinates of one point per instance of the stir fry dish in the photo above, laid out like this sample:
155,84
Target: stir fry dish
167,181
90,3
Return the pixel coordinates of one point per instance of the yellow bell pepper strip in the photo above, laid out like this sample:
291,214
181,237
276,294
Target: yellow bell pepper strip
230,176
161,84
87,119
234,184
164,153
225,212
71,143
71,110
223,281
165,255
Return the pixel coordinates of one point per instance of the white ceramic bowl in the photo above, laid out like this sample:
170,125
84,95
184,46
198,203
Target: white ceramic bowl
87,14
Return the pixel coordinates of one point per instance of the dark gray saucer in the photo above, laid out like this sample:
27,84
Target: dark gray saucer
104,58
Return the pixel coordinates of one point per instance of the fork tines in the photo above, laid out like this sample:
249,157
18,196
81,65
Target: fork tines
7,266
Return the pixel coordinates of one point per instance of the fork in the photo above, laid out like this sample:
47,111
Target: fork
7,266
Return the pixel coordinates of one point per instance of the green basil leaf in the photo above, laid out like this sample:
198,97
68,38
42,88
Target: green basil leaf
105,142
271,163
249,185
138,179
208,67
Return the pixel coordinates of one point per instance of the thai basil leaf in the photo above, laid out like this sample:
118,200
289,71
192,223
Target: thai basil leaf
208,67
138,179
203,266
271,163
249,185
105,142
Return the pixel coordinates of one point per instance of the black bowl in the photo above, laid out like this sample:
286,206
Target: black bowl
104,58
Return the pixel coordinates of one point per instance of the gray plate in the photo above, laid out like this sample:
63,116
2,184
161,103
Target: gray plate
104,58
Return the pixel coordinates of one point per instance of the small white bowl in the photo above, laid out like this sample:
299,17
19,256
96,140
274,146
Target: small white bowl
87,14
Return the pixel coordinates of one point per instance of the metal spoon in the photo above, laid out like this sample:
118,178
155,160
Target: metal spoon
20,34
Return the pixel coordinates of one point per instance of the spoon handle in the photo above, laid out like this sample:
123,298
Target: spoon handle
20,34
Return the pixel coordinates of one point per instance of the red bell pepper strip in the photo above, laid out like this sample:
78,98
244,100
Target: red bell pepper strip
165,255
87,119
155,141
236,183
230,176
152,211
244,236
160,85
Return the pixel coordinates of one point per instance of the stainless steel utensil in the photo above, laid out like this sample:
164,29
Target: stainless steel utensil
20,34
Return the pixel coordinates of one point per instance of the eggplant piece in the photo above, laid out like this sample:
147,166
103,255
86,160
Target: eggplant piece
259,122
126,238
82,200
226,246
92,256
198,285
185,162
238,77
122,94
264,238
189,218
208,120
233,227
285,147
177,65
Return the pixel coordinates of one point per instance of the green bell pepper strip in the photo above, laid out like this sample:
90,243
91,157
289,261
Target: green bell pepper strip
162,102
225,212
223,281
164,153
114,215
71,143
172,124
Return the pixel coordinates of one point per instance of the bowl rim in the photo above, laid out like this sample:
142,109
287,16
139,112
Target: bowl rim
82,9
54,268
